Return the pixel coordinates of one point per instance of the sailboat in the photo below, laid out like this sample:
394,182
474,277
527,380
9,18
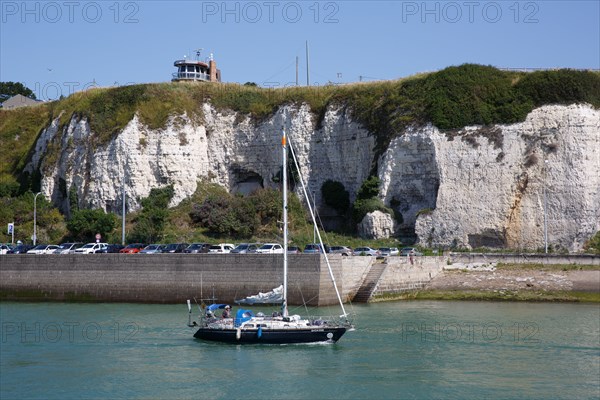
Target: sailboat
246,327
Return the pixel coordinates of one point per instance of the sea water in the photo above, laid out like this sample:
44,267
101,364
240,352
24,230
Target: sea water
399,350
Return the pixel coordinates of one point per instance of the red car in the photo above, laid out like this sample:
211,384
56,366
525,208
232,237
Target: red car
132,248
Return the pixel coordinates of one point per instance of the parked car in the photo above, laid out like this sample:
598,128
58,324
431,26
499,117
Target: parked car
90,248
111,248
270,248
175,248
294,250
66,248
389,251
343,250
43,249
132,248
244,248
407,250
314,248
20,249
197,248
366,251
152,249
5,248
221,248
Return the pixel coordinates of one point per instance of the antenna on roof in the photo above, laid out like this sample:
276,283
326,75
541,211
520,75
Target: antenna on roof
198,51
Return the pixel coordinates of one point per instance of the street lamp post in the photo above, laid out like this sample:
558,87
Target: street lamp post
545,208
35,217
124,197
315,210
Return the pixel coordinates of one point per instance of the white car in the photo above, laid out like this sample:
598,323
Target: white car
4,248
90,248
43,249
270,248
221,248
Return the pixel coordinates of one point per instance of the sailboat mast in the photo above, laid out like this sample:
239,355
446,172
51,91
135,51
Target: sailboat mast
284,309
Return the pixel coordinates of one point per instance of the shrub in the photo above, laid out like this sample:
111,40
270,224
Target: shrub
560,87
593,245
472,95
84,224
150,223
9,187
369,188
367,200
227,216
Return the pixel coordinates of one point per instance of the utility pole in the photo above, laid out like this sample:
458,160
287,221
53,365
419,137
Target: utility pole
307,75
35,217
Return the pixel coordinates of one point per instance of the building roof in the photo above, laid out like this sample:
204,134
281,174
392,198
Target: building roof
19,101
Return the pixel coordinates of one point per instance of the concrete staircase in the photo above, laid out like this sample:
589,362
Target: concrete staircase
369,284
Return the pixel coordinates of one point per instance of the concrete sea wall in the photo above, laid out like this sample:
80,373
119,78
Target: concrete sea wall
174,278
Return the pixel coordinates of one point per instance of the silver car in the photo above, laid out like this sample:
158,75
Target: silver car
366,251
406,251
389,251
343,250
244,248
66,248
152,249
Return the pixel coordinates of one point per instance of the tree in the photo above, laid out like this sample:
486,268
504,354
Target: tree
84,224
369,189
367,200
227,215
10,89
150,223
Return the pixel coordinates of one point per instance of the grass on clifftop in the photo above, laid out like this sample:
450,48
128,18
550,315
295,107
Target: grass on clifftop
451,98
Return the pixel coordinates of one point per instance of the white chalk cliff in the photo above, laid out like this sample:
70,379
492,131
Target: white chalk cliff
452,189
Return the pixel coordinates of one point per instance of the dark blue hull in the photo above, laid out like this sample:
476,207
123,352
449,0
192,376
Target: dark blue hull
275,336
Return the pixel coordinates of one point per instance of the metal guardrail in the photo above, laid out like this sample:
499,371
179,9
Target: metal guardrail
191,76
547,69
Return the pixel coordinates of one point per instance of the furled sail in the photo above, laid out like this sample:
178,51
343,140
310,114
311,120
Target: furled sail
273,297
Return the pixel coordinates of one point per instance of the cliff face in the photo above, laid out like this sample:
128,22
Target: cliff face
478,186
495,192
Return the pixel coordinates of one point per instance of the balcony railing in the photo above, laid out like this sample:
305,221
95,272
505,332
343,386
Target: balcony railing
198,76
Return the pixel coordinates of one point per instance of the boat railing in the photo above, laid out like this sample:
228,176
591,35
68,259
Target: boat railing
191,76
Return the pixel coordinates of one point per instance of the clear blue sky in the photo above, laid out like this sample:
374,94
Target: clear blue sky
56,47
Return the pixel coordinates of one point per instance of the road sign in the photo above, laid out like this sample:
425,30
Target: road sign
11,232
98,237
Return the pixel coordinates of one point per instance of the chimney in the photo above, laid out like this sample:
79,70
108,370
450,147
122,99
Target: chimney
212,66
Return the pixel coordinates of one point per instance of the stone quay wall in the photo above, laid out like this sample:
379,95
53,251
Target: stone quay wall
174,278
576,259
401,275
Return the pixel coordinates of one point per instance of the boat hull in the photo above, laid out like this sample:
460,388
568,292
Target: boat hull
271,336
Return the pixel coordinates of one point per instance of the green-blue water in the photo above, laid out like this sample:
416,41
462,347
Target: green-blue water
453,350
